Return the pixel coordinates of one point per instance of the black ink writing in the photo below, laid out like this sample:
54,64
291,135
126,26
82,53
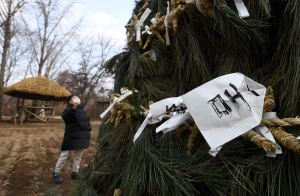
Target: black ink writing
226,109
236,96
175,108
213,101
252,91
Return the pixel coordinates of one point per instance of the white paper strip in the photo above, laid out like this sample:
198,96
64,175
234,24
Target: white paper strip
138,26
153,21
158,109
167,105
226,107
214,152
188,1
173,122
126,94
269,115
240,6
166,24
147,30
153,57
148,120
264,131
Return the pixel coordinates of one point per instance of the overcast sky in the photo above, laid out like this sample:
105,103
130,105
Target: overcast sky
105,16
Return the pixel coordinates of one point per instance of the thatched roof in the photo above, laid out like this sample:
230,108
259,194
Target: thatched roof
37,88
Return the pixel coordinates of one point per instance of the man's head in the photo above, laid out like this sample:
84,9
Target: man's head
73,99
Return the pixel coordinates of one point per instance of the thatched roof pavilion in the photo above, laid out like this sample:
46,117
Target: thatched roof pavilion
37,88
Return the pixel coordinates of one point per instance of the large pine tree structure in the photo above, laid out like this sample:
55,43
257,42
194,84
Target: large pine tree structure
208,38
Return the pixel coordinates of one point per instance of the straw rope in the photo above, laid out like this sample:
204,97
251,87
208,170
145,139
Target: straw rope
260,141
255,137
117,192
286,139
194,133
192,137
285,122
207,6
276,125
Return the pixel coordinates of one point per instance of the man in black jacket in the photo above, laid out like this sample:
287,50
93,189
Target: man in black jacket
76,137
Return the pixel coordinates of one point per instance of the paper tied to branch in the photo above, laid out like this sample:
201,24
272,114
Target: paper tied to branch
148,120
158,109
147,30
138,26
174,122
153,21
153,56
242,10
223,109
264,131
214,152
173,104
166,24
226,107
125,93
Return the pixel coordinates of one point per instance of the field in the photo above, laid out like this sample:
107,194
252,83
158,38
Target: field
28,154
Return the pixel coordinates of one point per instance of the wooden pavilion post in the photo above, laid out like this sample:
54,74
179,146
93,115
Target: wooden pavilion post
53,111
16,112
22,114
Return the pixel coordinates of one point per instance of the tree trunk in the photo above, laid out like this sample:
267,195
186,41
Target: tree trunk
3,62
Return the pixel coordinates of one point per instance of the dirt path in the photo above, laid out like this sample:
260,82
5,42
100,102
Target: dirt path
28,155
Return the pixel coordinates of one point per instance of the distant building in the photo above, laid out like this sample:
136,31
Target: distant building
102,106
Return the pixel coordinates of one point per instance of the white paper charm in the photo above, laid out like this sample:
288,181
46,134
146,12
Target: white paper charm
153,56
173,122
226,107
214,152
166,24
125,93
240,6
153,21
158,109
148,120
167,105
138,26
147,30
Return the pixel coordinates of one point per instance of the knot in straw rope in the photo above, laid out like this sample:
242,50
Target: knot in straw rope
260,141
287,140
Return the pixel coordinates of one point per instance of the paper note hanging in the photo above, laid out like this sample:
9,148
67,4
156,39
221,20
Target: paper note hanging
158,109
138,26
226,107
166,24
242,10
173,123
125,93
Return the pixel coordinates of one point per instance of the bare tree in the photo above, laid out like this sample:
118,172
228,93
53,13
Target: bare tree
16,54
50,35
85,78
8,10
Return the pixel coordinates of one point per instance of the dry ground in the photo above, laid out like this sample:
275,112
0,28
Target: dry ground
28,154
